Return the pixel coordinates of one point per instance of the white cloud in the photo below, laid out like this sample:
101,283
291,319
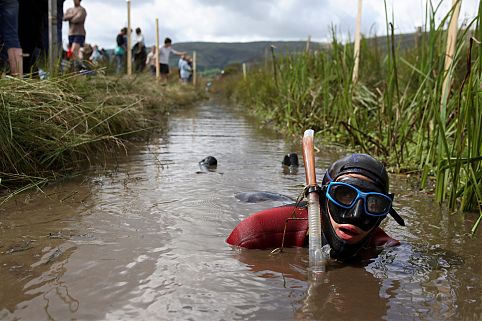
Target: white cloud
250,20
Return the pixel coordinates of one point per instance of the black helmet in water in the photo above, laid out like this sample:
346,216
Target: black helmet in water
354,202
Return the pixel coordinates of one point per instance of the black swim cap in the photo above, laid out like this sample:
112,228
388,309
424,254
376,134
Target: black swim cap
366,165
362,164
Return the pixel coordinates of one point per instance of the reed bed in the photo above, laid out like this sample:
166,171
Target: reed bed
395,111
53,127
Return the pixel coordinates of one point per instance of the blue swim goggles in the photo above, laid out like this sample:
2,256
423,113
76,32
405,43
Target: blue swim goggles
346,196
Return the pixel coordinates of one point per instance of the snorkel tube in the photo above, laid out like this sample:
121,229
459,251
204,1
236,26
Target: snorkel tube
317,258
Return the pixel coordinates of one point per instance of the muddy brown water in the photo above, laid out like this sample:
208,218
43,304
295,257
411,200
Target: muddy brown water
145,240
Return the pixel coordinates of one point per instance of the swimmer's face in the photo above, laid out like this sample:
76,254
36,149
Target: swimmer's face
354,224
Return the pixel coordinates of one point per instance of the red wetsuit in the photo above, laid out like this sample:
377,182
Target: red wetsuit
264,230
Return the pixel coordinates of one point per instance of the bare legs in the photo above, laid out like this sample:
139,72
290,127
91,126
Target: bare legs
15,60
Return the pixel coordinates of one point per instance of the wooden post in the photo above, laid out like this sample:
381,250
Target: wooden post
449,54
308,43
275,73
266,58
194,68
129,44
53,41
356,53
158,71
244,70
418,36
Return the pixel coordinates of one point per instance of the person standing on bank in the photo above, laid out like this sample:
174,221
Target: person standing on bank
76,18
139,51
9,35
164,52
120,50
151,60
185,69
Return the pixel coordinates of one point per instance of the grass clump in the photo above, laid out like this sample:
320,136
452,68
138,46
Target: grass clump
52,127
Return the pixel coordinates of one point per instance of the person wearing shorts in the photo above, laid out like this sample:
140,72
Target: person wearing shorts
164,69
9,35
76,18
164,52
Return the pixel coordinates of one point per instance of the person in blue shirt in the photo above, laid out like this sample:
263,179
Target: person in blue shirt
185,69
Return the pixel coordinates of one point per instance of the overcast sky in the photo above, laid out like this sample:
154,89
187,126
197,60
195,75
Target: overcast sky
252,20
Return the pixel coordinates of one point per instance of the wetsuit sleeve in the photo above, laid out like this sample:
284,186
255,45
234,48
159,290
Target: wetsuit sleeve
264,229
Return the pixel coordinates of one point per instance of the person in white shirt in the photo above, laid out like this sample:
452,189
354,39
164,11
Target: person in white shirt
164,52
95,56
139,37
185,69
139,51
151,60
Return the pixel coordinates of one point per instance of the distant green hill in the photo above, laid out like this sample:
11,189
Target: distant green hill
217,55
211,55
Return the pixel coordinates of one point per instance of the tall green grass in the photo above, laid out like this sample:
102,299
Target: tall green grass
52,127
395,110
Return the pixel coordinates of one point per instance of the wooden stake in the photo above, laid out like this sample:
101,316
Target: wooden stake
266,58
449,54
275,74
53,41
129,52
244,71
194,68
158,70
356,53
308,43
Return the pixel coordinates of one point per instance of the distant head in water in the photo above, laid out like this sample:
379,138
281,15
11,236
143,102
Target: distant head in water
208,163
354,201
291,160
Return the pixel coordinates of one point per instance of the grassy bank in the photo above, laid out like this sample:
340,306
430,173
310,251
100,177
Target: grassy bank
53,127
395,111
